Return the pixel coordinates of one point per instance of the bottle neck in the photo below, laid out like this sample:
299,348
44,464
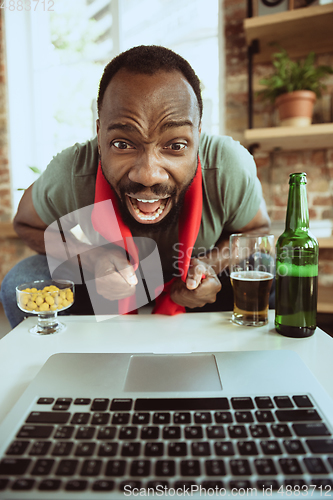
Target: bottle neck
297,209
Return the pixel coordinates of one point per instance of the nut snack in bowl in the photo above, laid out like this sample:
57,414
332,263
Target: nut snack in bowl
45,298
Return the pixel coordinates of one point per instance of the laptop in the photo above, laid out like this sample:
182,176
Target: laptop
219,424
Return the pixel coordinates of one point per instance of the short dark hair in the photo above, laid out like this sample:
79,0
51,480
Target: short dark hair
149,59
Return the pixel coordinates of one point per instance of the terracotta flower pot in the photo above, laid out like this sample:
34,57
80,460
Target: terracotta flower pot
296,108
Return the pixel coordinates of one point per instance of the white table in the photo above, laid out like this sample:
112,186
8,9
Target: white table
23,354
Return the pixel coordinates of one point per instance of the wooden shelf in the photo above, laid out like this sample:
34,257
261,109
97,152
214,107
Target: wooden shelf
319,136
299,31
325,299
7,230
325,243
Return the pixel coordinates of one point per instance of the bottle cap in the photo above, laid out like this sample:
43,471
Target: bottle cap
298,178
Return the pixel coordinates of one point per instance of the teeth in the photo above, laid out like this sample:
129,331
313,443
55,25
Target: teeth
147,217
148,201
155,214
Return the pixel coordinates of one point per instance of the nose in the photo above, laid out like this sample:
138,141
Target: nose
148,170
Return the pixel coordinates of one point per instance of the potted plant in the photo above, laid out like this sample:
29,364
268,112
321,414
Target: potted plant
293,87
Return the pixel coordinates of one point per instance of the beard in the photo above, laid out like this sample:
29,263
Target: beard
160,191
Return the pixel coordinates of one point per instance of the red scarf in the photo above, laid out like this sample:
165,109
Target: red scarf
189,224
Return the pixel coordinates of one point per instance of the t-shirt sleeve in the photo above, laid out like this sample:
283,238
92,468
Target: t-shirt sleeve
53,192
241,188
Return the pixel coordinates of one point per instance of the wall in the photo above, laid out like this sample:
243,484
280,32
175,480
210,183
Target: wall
12,249
274,168
5,196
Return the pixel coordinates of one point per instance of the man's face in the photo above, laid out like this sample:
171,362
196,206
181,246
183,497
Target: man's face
148,138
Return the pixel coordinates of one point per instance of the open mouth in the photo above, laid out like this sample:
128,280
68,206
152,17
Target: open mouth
148,211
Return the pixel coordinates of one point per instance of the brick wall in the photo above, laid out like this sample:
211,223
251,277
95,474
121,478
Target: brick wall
5,197
12,249
274,168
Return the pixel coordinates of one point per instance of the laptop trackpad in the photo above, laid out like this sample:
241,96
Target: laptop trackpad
174,372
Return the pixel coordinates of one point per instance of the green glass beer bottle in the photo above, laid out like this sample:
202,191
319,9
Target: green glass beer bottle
296,267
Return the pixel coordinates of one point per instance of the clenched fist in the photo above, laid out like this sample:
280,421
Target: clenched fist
196,292
114,276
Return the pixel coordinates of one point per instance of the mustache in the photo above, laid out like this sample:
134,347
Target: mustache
126,186
159,190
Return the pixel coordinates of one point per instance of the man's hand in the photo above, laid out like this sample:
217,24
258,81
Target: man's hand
196,292
114,276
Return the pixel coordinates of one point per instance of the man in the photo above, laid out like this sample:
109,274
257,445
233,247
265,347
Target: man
151,154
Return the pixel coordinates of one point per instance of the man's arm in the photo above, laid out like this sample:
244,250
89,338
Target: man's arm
30,228
116,277
28,225
197,293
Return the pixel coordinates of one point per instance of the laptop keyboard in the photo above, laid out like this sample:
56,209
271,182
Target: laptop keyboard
78,444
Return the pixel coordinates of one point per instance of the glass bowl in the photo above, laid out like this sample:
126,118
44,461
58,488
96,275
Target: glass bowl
45,298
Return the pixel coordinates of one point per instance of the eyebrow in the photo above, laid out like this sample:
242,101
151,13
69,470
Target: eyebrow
176,124
121,126
170,124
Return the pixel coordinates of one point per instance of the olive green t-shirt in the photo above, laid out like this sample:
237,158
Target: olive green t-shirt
231,194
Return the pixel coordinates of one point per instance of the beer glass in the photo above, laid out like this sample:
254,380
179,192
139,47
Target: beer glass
252,268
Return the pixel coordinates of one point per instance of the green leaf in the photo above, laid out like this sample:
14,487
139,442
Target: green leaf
289,75
36,170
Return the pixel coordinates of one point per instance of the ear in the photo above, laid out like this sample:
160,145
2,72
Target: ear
98,136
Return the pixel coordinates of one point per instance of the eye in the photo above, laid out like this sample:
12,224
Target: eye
122,145
176,146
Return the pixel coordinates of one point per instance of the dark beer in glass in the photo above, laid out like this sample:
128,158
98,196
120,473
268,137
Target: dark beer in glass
252,269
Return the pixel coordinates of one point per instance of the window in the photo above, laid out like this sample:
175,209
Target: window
190,28
55,61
